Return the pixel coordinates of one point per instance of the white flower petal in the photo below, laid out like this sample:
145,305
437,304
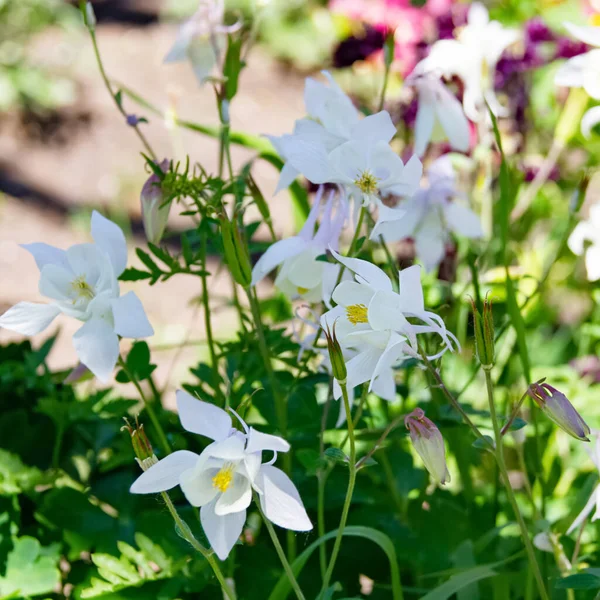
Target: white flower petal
423,125
258,441
587,35
394,351
430,242
374,128
165,474
286,178
309,158
130,318
462,220
56,282
451,115
202,56
349,293
571,73
280,500
178,51
110,238
197,485
202,418
231,448
592,263
407,182
29,318
365,271
590,119
348,162
275,255
384,385
360,369
222,531
399,223
235,498
44,254
385,312
97,347
411,290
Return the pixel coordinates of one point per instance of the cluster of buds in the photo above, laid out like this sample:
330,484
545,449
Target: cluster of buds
429,444
336,356
155,210
484,334
558,409
144,454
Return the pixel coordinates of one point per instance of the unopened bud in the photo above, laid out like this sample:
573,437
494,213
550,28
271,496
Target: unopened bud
89,17
429,444
155,212
484,334
558,409
236,254
142,448
336,357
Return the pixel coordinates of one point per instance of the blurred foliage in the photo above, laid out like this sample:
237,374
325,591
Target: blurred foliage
24,82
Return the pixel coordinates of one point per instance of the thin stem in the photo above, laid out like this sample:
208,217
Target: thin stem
349,491
207,321
513,415
114,97
322,475
386,78
187,534
148,406
284,561
351,250
509,491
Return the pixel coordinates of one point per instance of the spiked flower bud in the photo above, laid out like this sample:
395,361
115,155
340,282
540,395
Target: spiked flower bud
236,254
558,409
155,212
336,357
429,444
484,334
144,454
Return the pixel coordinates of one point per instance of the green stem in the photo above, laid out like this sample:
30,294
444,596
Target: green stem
186,532
114,97
509,491
349,491
207,321
148,406
284,561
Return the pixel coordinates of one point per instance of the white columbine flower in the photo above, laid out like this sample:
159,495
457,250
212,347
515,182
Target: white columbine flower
366,164
586,239
584,71
301,275
220,480
594,502
440,114
430,215
371,318
202,39
473,57
82,282
331,117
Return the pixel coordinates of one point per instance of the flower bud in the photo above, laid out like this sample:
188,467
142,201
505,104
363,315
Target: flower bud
484,334
429,444
236,254
144,454
336,357
89,17
558,409
155,212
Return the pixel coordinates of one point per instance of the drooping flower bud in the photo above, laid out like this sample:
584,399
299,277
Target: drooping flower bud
558,409
484,334
336,357
89,17
155,212
144,454
429,444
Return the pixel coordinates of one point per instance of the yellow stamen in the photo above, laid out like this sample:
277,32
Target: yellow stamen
595,20
222,480
82,288
302,290
357,313
366,182
485,72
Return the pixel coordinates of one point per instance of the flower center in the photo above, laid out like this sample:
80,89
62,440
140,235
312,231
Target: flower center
302,290
595,20
82,288
367,182
222,480
357,313
485,73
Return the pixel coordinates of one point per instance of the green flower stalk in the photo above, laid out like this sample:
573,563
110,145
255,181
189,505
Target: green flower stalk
336,356
484,334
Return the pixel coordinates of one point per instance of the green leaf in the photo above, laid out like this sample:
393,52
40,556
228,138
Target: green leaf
579,581
31,570
138,361
147,260
232,66
336,455
458,582
132,274
283,587
484,443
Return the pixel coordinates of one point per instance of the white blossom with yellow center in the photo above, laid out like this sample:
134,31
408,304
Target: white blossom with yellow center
82,282
221,479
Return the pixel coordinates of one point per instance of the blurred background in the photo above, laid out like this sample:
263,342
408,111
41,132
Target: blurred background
65,149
